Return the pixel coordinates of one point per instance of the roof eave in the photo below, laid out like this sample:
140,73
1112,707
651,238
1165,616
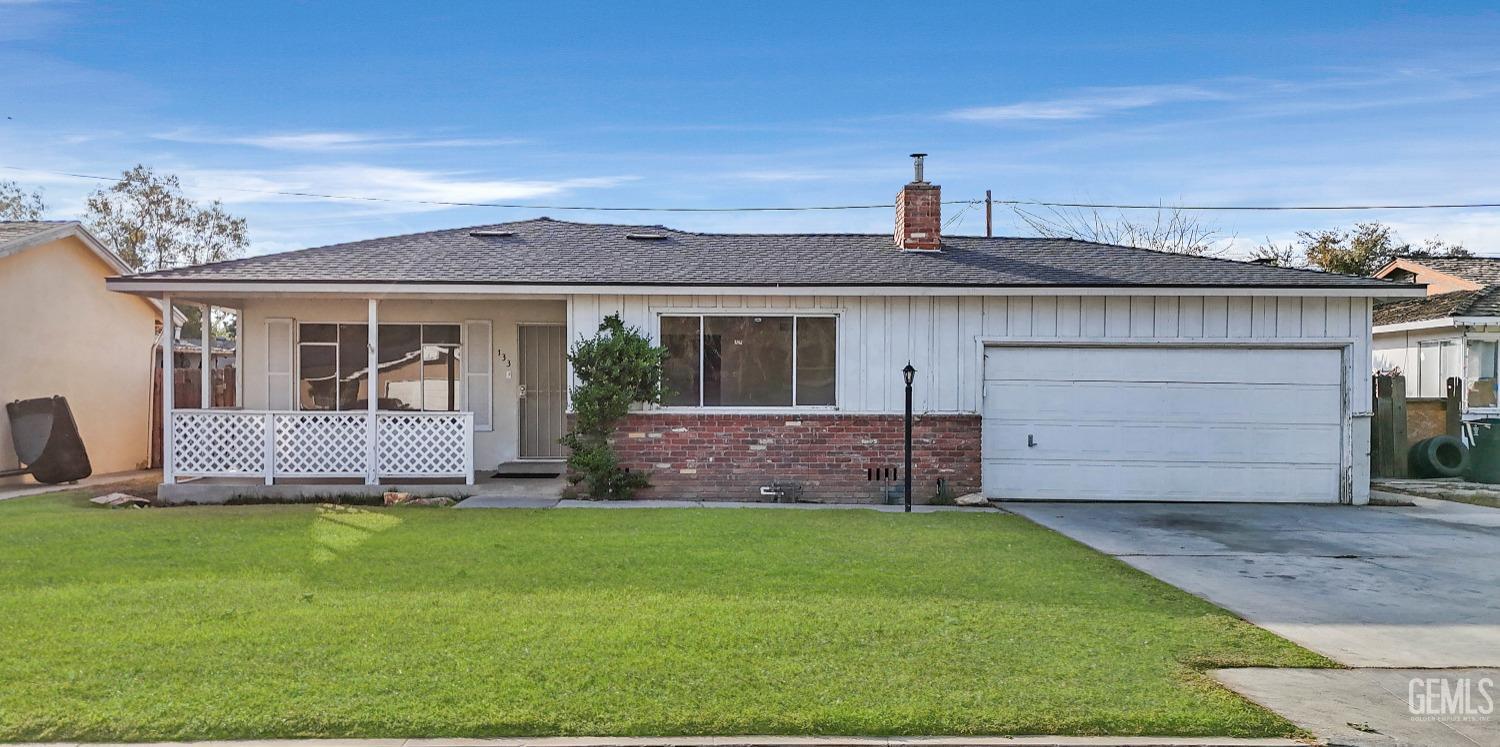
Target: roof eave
1442,322
155,287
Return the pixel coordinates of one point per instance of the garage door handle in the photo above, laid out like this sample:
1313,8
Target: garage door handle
1030,441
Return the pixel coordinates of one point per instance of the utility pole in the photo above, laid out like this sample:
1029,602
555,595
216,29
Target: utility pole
989,214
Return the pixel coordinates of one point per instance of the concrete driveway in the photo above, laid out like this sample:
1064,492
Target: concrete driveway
1411,587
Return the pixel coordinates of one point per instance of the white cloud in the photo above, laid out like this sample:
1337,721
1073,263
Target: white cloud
377,184
1088,103
330,141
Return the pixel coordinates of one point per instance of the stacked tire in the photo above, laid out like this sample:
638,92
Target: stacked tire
1439,456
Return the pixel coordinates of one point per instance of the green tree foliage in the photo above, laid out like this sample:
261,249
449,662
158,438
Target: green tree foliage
224,323
18,204
616,368
1360,251
149,223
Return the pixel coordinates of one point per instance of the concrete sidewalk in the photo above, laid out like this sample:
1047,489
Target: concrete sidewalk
743,741
20,491
1331,702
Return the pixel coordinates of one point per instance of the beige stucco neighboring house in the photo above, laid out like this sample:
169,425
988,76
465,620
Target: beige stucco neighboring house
63,333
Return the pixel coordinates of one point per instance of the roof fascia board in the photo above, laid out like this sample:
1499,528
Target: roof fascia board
1438,323
62,232
154,287
48,236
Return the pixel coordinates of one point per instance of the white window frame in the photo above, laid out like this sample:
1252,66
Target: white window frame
1446,349
297,343
1470,339
794,314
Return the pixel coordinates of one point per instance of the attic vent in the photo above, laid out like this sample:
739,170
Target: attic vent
497,234
645,236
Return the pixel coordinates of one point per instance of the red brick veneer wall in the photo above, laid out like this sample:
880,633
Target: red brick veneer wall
729,457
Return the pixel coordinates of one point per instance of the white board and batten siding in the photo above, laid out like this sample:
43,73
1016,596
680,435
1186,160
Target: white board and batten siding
940,335
1288,369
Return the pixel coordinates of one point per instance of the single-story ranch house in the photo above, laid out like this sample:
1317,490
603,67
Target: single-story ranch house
1046,368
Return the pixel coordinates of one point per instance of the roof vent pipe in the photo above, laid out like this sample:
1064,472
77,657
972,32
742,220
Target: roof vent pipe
916,164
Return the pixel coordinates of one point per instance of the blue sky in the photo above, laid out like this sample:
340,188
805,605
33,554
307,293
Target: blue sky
714,104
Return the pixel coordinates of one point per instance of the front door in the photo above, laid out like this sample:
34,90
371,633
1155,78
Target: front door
542,391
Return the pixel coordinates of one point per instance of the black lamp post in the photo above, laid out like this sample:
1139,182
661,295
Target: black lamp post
909,374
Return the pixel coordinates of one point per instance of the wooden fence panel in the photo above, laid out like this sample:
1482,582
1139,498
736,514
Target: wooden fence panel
187,393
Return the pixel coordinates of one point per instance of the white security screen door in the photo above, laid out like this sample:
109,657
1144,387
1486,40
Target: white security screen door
542,390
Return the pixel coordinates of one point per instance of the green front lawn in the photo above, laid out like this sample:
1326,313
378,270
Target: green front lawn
289,621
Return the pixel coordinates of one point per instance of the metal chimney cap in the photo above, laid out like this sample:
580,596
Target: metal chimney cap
917,168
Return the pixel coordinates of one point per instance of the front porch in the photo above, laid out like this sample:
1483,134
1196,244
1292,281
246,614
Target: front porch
340,395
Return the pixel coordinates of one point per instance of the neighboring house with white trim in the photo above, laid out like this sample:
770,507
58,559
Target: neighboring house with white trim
1046,368
63,333
1452,332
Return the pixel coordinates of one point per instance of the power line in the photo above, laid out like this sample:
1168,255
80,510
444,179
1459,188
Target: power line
787,209
1436,206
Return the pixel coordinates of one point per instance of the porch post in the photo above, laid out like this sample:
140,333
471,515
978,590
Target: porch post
372,400
239,353
205,356
168,336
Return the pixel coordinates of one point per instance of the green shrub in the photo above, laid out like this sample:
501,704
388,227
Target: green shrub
616,368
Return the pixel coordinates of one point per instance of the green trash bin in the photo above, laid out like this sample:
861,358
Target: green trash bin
1484,455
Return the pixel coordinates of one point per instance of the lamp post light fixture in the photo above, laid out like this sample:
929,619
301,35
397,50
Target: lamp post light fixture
908,374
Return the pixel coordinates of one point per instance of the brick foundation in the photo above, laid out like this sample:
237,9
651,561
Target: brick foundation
831,457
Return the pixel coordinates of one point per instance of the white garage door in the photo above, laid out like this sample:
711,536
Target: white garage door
1162,424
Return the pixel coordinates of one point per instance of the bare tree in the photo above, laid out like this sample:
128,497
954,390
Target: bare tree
1362,250
1169,230
148,221
1276,255
18,204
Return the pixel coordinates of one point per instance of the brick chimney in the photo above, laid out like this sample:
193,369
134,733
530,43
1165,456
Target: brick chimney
919,212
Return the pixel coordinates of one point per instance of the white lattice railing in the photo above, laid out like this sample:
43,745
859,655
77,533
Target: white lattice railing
270,445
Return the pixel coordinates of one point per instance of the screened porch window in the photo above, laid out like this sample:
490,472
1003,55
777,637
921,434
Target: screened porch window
419,367
750,361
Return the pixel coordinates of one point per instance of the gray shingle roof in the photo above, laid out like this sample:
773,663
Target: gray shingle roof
1484,302
546,251
1483,270
15,230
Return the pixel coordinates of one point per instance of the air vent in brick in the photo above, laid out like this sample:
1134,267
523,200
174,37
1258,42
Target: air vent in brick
882,474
